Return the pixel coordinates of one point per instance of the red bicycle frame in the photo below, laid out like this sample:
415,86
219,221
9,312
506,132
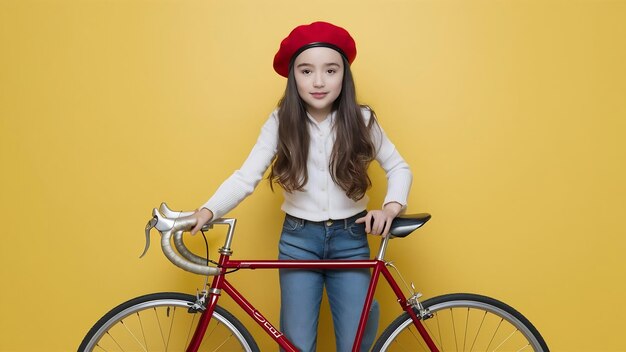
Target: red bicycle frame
220,284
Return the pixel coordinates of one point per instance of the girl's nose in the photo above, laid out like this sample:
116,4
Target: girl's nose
318,81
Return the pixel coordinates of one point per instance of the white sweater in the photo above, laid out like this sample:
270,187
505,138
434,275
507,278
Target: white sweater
321,199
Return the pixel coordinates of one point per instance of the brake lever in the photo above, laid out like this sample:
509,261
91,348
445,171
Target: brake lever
152,223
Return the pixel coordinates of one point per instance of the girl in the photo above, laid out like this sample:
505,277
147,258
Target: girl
319,143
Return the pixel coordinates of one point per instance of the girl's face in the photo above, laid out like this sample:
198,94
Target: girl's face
319,78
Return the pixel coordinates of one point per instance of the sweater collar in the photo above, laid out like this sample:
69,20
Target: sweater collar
328,121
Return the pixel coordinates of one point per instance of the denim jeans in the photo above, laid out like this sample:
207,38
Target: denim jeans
301,290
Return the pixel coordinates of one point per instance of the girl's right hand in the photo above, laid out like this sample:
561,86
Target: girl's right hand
202,217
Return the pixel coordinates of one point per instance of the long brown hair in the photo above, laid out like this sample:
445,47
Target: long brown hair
353,149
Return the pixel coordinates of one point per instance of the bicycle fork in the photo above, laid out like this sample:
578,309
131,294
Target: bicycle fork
211,301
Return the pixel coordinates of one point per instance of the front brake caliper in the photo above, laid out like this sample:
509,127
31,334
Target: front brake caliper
199,305
424,313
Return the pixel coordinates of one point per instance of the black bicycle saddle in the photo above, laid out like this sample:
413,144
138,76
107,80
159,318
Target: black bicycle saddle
403,225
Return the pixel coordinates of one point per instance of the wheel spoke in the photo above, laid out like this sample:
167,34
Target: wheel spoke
493,336
191,325
439,331
169,334
133,336
430,333
143,331
115,341
467,312
478,331
218,347
417,338
100,347
212,330
505,340
404,348
159,325
454,330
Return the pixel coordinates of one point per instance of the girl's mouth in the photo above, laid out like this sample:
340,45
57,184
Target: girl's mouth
318,95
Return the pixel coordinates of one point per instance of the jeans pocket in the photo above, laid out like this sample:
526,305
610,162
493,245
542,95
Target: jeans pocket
292,224
357,230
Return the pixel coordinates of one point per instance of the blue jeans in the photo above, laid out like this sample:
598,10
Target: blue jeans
301,290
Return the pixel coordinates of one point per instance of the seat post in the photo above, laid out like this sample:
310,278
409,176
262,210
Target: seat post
383,247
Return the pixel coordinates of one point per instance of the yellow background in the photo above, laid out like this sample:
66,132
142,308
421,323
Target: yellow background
511,114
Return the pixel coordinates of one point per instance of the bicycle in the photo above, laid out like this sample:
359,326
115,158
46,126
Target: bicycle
175,321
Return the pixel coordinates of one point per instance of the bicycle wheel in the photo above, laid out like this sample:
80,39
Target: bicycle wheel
163,322
464,322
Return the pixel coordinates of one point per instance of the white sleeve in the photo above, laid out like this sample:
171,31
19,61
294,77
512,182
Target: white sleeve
399,176
243,181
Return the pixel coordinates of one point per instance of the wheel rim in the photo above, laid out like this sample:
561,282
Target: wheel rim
164,325
465,325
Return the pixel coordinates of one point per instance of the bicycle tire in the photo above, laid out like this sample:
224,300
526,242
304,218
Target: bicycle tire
481,324
154,322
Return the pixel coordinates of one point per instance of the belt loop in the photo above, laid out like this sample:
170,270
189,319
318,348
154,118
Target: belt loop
345,224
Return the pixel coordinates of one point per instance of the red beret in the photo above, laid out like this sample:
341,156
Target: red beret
312,35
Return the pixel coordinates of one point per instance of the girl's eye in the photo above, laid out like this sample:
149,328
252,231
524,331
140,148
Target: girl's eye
331,71
306,72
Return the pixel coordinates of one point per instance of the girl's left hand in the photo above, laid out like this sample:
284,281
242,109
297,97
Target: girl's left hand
378,222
